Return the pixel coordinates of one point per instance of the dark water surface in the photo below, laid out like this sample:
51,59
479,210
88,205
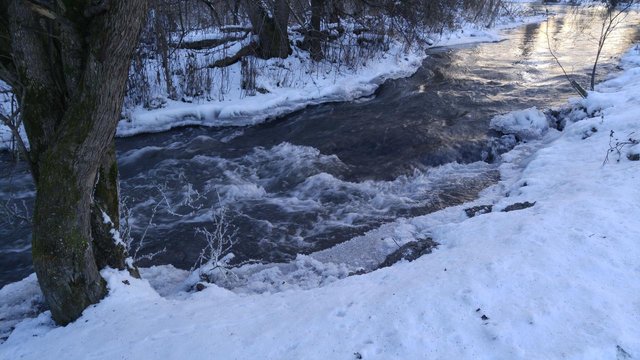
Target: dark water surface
322,175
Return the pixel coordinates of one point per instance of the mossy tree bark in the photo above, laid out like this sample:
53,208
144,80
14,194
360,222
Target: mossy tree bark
68,61
105,215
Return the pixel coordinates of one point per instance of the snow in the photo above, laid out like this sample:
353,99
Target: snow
237,110
115,234
560,279
5,137
18,301
525,124
5,109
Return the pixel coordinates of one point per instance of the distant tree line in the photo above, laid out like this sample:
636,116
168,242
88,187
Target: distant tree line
275,28
269,20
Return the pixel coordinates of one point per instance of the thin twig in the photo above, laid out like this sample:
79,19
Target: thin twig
573,83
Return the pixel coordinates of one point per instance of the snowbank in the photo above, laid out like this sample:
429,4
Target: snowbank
560,279
308,88
18,301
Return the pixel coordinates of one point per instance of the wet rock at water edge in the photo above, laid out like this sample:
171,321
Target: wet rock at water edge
518,206
633,153
478,210
200,286
410,251
557,118
156,103
587,134
498,146
356,272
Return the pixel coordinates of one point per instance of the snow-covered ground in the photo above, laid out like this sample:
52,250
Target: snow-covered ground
559,279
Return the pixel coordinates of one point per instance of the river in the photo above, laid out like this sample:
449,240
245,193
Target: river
309,180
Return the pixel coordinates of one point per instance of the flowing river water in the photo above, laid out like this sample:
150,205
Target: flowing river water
320,176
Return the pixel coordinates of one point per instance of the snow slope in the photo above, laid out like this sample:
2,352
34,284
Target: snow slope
560,279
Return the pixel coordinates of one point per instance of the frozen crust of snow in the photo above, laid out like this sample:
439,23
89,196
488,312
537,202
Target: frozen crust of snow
528,124
560,279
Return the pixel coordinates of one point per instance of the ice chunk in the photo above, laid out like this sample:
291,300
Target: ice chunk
528,124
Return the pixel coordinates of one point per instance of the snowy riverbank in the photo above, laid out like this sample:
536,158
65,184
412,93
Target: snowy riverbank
559,279
291,84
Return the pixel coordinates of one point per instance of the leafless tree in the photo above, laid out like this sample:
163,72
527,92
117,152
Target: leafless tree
270,24
612,14
615,13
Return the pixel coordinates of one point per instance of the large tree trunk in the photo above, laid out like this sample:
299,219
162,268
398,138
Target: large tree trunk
105,215
62,253
273,38
314,35
336,11
72,64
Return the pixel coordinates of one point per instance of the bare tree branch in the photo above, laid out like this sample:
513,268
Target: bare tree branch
573,83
